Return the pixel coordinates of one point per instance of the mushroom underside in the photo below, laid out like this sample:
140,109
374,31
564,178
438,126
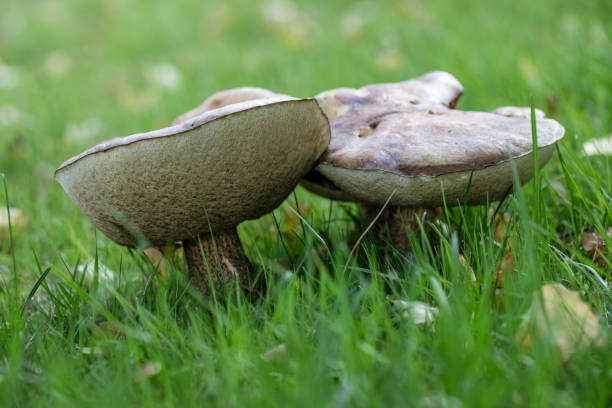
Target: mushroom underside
414,199
479,186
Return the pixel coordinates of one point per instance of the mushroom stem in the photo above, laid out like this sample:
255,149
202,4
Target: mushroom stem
217,260
392,227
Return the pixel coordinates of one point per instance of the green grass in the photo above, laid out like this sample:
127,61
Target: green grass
323,334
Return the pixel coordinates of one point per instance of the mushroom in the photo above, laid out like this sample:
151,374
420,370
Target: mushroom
196,181
404,143
437,87
215,101
227,97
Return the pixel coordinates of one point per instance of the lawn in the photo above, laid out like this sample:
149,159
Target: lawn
105,327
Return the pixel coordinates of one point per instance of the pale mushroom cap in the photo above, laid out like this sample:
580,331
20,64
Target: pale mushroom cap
227,97
211,172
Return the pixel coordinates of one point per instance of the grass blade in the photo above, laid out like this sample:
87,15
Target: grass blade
39,282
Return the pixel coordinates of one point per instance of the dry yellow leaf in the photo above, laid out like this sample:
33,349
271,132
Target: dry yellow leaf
156,257
164,257
595,246
505,269
274,354
149,369
559,315
468,268
18,223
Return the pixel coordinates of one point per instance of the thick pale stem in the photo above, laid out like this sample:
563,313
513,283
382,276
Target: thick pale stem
395,223
217,261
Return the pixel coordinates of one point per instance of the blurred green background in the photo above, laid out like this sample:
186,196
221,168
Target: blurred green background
76,72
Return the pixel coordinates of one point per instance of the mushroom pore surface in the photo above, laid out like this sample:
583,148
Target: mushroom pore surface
207,174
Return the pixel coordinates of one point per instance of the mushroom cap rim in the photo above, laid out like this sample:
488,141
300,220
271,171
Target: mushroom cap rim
184,127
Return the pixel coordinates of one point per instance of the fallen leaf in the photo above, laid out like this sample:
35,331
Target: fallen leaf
598,146
560,191
552,105
91,351
156,257
110,329
274,354
468,268
166,256
105,274
418,312
501,224
503,271
505,268
149,369
18,222
290,222
595,246
559,315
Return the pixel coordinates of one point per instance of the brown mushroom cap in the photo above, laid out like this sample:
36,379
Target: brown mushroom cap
430,141
227,97
437,87
382,144
211,172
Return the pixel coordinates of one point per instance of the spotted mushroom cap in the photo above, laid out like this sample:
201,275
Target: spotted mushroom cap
18,222
437,87
211,172
424,152
227,97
